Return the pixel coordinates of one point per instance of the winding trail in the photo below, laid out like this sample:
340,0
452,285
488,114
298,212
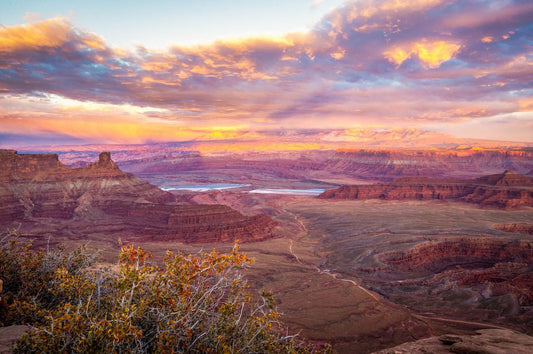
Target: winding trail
292,252
353,282
449,320
301,225
303,231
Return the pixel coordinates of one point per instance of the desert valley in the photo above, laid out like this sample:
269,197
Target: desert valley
364,249
304,176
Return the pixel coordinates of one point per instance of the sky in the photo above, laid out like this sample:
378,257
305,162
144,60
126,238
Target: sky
137,71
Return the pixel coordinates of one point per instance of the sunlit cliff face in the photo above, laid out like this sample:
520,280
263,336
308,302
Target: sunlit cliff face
461,68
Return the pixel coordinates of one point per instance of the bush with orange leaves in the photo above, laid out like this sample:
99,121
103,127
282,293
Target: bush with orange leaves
194,303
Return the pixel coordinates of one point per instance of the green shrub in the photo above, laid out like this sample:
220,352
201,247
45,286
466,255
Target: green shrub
196,303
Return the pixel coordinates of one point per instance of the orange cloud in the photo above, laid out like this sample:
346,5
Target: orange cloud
338,74
48,33
104,128
411,5
368,9
53,32
431,54
338,55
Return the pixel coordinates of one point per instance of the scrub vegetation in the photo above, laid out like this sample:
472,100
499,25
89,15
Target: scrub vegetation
190,303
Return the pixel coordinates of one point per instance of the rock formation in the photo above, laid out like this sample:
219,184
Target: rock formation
481,277
505,191
484,341
438,256
39,191
10,335
374,165
515,227
387,165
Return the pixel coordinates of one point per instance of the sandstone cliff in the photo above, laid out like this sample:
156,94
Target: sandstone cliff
506,190
515,227
483,277
375,165
387,165
39,192
484,341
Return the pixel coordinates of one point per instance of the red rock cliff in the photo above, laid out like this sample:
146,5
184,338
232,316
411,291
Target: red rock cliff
389,164
505,191
39,189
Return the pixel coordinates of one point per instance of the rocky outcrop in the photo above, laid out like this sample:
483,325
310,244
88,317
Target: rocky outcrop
374,165
515,227
438,256
391,164
487,276
198,223
10,335
40,190
40,186
506,190
506,179
484,341
217,223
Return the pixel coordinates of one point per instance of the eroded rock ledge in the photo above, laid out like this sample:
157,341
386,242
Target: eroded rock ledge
479,278
515,227
39,193
438,256
507,190
484,341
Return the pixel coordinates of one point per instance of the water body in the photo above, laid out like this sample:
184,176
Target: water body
204,188
311,192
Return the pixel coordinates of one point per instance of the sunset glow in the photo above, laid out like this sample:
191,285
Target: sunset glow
453,67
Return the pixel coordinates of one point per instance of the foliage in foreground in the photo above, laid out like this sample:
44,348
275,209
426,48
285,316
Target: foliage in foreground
193,303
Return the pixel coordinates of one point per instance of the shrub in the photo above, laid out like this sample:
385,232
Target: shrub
195,303
29,277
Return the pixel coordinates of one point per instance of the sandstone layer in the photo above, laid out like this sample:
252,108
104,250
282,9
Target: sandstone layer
494,341
38,192
505,191
277,170
391,164
496,268
370,164
515,227
487,277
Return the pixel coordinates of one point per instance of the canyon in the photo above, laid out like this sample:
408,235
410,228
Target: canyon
413,256
367,164
387,165
214,162
506,190
40,195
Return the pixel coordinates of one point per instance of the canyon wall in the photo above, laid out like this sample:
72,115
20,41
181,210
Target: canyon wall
487,277
507,190
40,190
515,227
315,165
391,164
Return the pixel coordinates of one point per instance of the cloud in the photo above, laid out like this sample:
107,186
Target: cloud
430,54
368,62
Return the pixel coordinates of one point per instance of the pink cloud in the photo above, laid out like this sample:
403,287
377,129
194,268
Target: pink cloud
368,62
